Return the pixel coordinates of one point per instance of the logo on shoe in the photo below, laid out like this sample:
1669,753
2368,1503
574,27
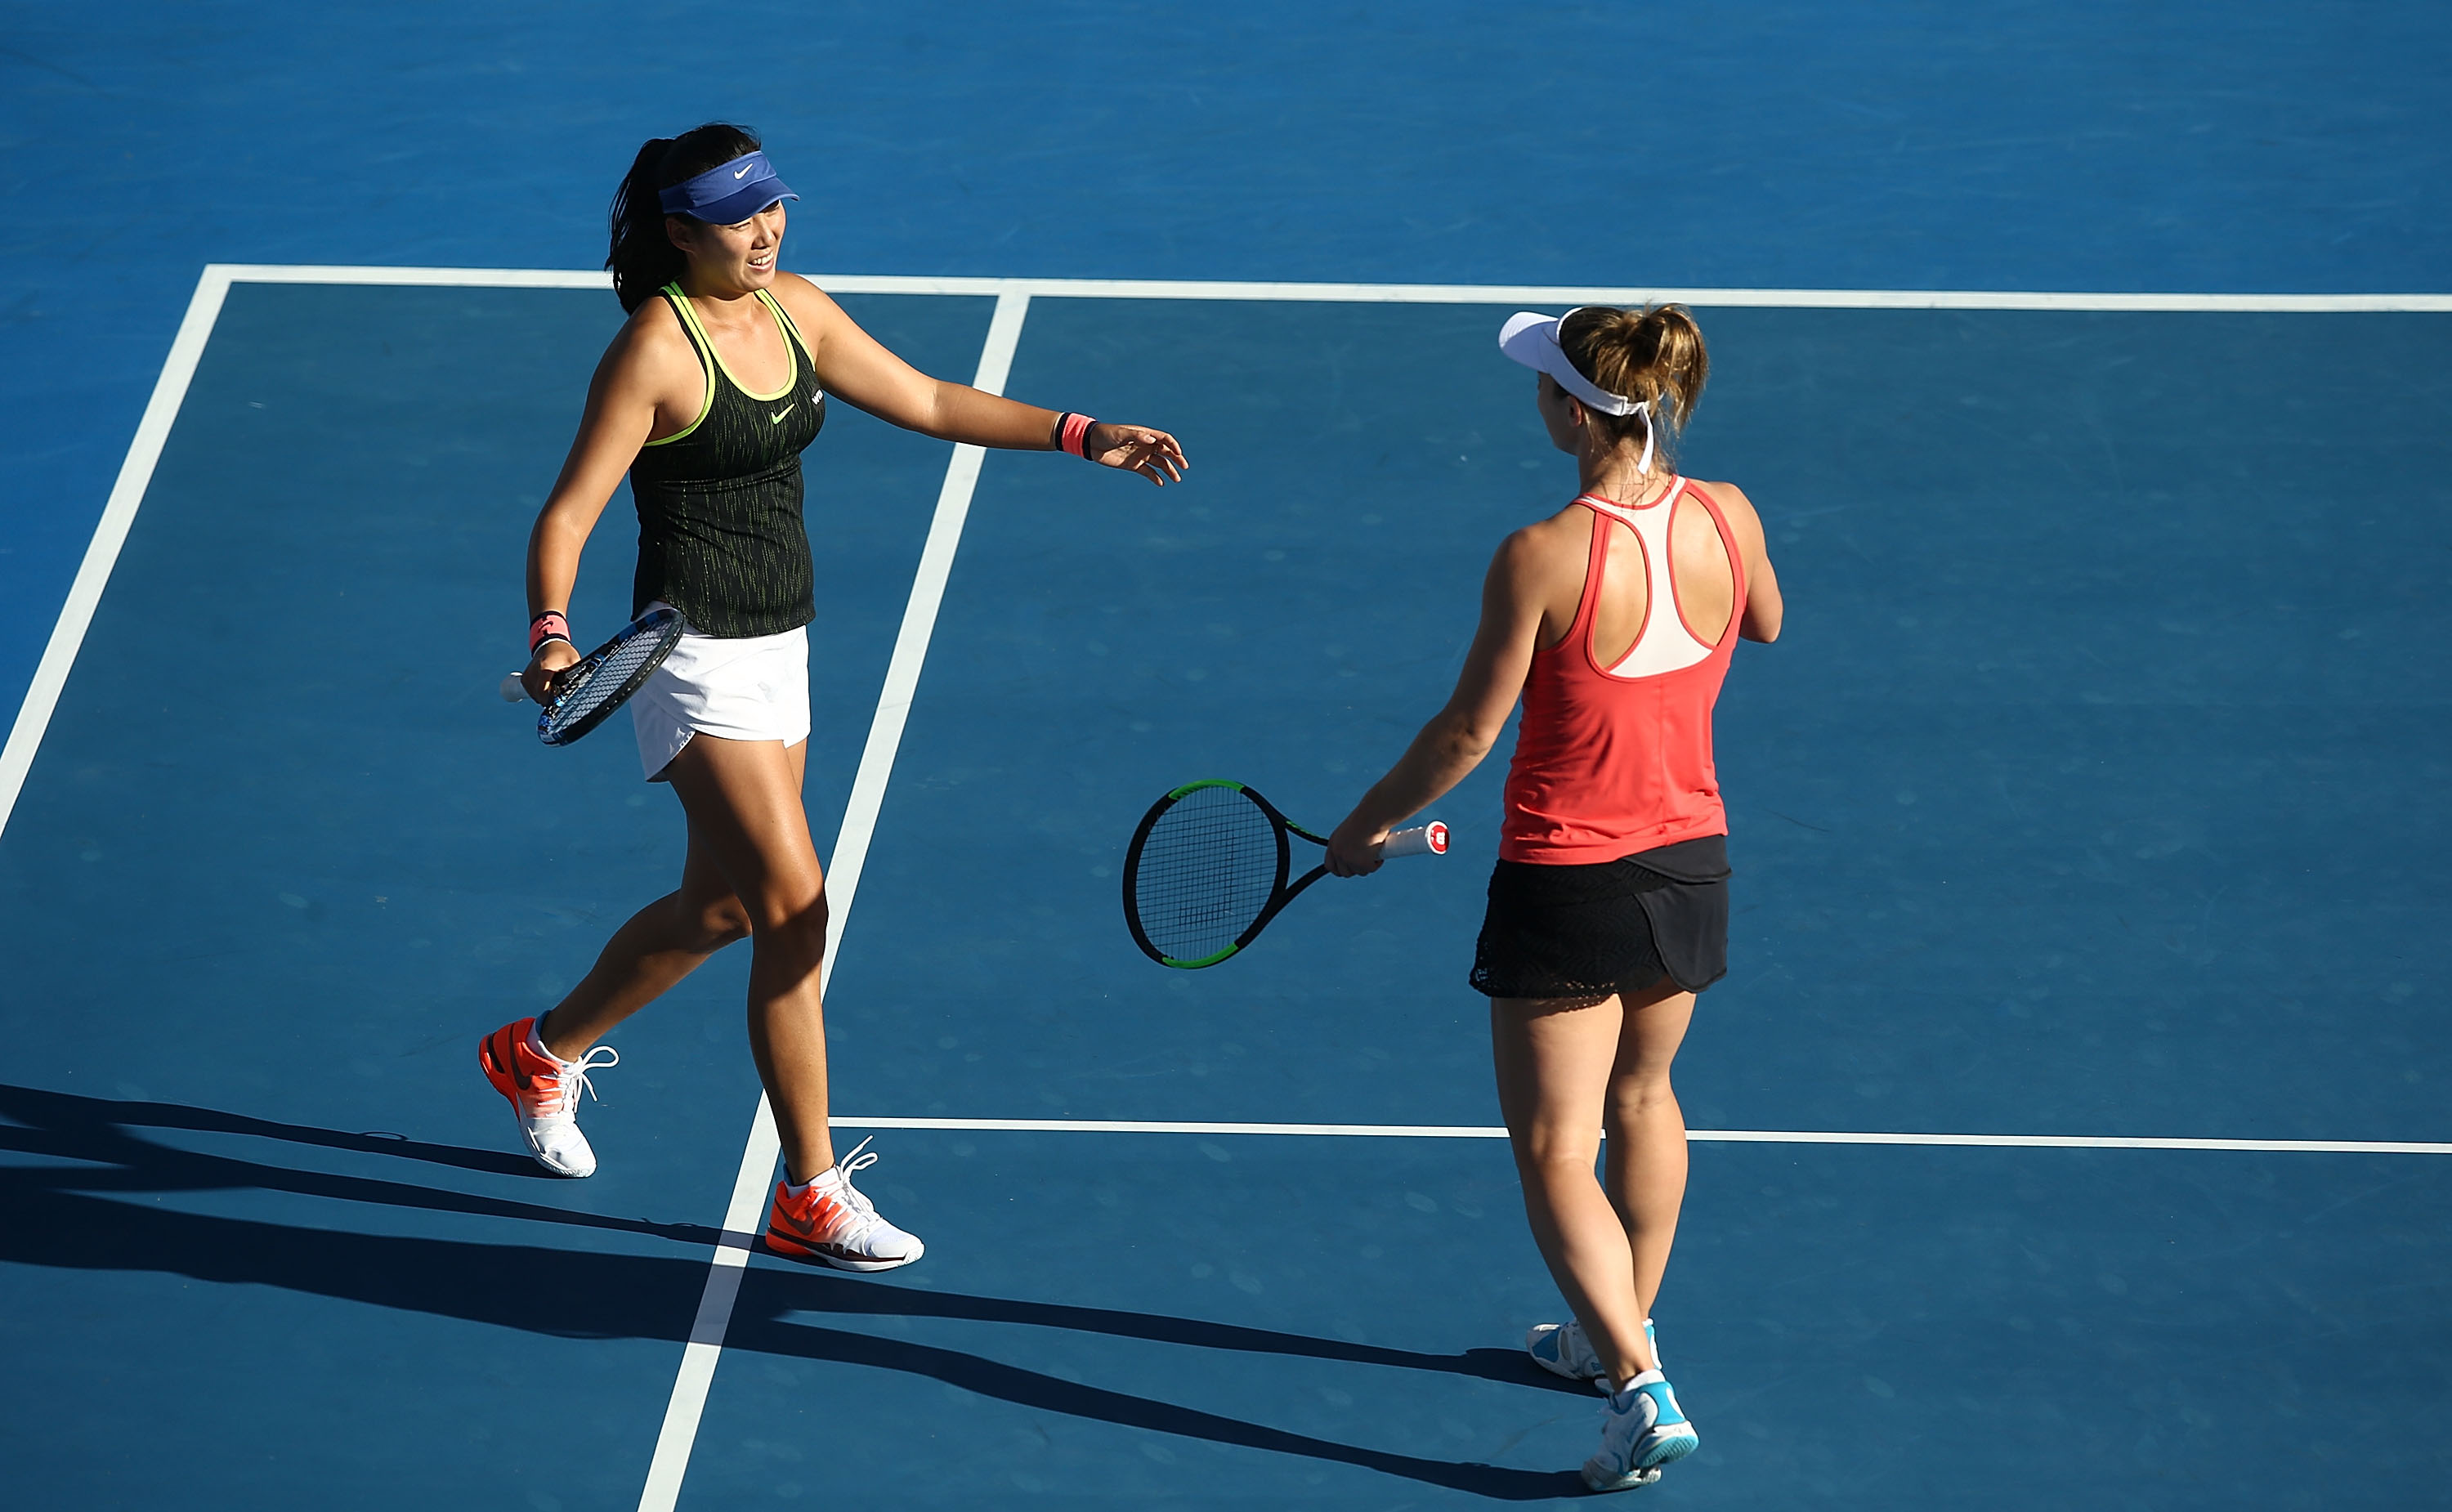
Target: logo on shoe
823,1212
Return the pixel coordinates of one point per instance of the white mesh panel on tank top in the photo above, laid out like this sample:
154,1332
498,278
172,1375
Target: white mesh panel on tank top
1664,643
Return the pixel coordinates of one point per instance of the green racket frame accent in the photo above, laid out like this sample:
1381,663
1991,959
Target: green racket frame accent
1279,894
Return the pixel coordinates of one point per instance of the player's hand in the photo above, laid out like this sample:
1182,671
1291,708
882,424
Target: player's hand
1154,454
550,659
1354,848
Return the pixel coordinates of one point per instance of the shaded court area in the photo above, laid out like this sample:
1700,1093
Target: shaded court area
2096,789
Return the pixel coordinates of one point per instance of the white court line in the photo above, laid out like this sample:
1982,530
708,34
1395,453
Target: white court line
1888,299
740,1220
1698,1136
1013,296
109,534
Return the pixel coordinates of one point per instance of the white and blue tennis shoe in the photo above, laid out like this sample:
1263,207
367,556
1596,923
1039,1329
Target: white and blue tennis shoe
1642,1431
1563,1349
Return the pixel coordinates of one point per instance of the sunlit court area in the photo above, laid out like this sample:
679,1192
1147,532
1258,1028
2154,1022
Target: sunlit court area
2068,1125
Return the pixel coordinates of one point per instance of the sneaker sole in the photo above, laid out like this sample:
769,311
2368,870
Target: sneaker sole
1600,1478
794,1249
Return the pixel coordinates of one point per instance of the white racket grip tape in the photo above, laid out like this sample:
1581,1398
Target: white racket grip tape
1428,839
512,691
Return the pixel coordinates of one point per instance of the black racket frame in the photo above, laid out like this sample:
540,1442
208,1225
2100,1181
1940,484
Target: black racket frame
665,623
1279,892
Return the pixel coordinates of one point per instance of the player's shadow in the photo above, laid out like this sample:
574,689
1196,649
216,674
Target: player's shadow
100,1132
50,1215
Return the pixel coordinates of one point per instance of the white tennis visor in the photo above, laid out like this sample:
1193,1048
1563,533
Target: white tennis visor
1532,340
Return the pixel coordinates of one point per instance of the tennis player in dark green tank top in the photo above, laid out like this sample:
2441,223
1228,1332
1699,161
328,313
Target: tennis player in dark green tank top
706,398
721,537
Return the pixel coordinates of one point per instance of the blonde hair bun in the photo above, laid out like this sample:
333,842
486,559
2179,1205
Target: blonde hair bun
1655,354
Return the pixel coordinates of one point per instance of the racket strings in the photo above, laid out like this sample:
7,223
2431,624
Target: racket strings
1207,869
607,679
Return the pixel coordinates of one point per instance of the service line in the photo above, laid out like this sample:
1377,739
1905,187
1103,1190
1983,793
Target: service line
1698,1136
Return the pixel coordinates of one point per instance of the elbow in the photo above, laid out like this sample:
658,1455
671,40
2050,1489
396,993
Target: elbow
1467,743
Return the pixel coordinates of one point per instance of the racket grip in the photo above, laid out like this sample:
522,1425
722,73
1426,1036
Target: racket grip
1428,839
511,690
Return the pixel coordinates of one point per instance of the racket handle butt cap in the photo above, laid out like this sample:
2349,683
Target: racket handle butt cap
1429,839
511,690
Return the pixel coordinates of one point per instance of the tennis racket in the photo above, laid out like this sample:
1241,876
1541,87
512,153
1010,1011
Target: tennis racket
1207,871
588,690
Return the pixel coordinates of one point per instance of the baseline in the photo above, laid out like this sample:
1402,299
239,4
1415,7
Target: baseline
1894,299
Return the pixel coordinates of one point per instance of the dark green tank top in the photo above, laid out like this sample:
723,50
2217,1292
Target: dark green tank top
721,537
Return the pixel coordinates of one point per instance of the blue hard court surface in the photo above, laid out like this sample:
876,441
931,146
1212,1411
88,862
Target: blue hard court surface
2096,787
2130,840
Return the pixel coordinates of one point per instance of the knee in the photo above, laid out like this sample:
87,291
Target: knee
1550,1159
1642,1085
722,924
795,918
1635,1098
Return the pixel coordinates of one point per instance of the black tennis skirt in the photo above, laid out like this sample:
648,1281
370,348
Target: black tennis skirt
1608,927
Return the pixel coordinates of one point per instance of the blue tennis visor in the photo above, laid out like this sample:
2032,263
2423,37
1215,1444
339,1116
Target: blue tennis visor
734,192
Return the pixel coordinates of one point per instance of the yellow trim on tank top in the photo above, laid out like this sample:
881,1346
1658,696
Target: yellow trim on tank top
782,331
705,368
792,325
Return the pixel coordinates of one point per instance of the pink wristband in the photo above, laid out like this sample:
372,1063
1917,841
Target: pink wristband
1077,427
547,626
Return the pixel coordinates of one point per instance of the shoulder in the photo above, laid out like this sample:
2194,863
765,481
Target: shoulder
811,308
1733,505
649,340
1535,558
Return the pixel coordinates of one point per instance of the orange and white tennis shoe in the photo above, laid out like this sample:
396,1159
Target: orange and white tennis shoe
545,1093
828,1220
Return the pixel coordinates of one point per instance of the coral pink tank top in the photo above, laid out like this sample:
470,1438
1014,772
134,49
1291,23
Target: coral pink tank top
1612,760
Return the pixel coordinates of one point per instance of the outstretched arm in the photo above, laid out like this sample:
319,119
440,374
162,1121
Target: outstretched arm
1461,735
857,366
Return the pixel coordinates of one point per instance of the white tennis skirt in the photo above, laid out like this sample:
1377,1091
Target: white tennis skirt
749,688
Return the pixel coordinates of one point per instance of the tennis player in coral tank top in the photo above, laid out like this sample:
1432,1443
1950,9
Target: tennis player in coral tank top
1614,621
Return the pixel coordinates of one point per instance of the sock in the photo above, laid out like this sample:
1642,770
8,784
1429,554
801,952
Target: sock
536,1043
1619,1393
820,1181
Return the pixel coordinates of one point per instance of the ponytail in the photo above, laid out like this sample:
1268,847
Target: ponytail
643,258
1655,354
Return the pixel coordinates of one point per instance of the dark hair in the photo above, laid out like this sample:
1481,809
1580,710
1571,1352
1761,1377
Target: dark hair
644,259
1654,353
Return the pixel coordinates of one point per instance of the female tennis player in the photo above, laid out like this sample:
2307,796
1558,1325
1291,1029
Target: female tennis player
1614,621
706,398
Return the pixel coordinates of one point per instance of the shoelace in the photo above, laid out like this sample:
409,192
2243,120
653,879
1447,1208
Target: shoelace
566,1083
845,1168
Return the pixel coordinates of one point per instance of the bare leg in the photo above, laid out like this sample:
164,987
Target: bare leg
662,943
1646,1171
1555,1061
744,800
